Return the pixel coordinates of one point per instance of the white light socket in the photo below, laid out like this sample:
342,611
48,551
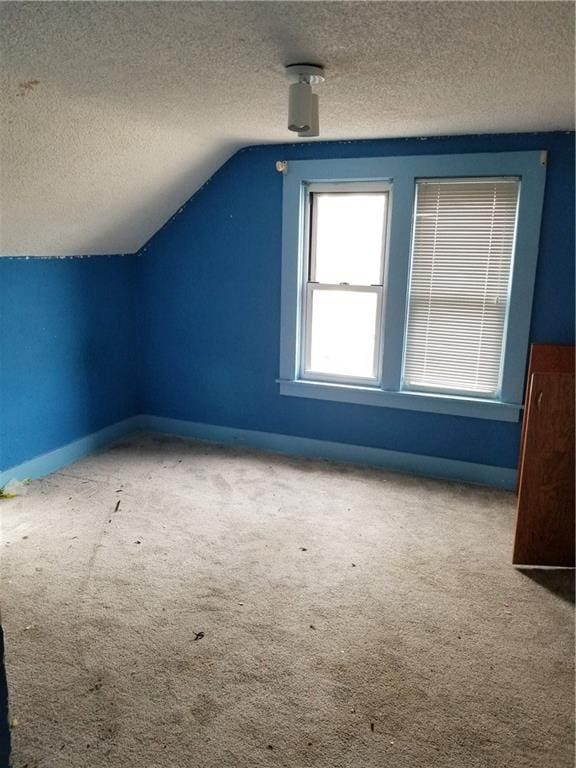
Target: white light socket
314,129
300,107
303,110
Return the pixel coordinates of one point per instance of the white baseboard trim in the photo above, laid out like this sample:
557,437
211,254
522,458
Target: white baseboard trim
67,454
396,461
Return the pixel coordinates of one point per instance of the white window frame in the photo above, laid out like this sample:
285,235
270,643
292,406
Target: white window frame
309,286
402,173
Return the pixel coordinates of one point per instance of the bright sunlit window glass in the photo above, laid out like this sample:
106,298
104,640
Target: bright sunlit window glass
343,296
347,237
343,332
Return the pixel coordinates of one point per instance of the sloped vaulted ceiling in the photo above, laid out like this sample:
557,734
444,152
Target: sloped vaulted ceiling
114,113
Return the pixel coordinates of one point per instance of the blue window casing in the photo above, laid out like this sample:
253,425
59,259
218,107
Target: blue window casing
403,173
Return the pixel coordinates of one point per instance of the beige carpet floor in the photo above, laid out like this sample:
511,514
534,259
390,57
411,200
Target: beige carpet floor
170,604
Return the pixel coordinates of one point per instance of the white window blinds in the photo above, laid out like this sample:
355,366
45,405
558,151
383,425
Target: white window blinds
460,272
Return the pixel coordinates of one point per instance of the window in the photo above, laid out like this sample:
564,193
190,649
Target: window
460,272
343,294
407,282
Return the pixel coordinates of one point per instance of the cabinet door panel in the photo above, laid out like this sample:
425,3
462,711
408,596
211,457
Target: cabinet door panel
545,523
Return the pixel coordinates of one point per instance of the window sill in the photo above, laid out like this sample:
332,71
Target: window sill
471,407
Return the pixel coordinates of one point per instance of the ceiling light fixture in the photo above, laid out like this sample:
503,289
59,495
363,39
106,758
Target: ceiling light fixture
303,116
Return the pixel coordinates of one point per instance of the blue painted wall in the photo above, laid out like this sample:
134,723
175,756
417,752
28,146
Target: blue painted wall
67,351
210,312
191,328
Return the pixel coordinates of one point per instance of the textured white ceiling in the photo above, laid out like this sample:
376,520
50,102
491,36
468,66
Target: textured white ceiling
114,113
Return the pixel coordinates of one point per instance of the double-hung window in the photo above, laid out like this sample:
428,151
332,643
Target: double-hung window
343,294
407,282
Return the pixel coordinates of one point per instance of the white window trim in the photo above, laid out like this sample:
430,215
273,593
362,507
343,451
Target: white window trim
402,173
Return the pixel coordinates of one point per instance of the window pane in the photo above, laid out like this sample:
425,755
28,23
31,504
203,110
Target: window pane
343,332
460,273
348,237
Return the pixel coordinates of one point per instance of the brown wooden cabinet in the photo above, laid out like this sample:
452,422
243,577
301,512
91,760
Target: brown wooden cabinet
545,518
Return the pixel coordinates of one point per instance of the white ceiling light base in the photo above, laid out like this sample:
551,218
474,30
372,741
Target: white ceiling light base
305,73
